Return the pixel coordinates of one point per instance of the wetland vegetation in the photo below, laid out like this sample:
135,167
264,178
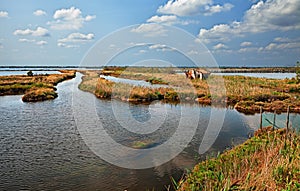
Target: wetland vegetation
33,87
246,94
267,161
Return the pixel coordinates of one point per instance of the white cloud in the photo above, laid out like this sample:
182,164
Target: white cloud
150,29
246,43
279,43
289,45
42,32
192,7
90,17
69,19
3,14
41,43
168,19
77,37
221,32
210,10
142,51
284,39
39,13
273,15
72,38
281,39
261,17
220,46
160,47
26,40
1,46
63,45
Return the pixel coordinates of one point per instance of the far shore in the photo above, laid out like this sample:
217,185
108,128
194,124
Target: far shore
222,69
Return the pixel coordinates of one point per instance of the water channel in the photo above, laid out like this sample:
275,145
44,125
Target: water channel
42,148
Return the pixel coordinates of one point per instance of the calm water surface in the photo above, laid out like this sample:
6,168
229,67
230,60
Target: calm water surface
42,149
35,72
260,75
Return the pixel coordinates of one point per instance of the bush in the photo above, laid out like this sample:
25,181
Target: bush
30,73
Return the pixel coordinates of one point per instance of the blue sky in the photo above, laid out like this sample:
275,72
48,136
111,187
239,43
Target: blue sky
236,32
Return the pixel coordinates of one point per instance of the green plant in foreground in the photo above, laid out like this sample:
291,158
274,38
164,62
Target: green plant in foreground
268,161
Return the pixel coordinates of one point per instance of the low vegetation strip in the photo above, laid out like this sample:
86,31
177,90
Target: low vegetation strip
34,87
268,161
246,94
103,88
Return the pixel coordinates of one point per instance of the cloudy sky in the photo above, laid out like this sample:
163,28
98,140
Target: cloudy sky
236,32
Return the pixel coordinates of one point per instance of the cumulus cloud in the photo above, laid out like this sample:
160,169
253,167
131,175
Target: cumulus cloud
41,43
72,38
170,20
3,14
39,13
221,32
263,16
63,45
246,43
281,46
160,47
69,19
210,10
192,7
220,46
274,15
77,37
163,19
40,31
150,29
142,51
26,40
90,17
279,43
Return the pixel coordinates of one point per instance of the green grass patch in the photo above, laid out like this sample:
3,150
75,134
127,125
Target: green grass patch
270,160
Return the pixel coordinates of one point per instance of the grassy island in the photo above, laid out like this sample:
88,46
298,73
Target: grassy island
268,161
246,94
33,87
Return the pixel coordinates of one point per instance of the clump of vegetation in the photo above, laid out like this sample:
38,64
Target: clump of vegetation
34,87
268,161
39,94
154,80
30,73
246,94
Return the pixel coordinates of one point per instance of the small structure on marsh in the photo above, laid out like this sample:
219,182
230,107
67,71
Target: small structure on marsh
197,74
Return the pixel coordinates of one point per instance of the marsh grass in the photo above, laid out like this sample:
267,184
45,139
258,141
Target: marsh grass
34,88
246,94
268,161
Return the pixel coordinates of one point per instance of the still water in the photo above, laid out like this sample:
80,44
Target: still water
132,82
35,72
260,75
42,149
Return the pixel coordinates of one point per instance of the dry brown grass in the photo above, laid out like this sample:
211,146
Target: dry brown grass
246,94
35,88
